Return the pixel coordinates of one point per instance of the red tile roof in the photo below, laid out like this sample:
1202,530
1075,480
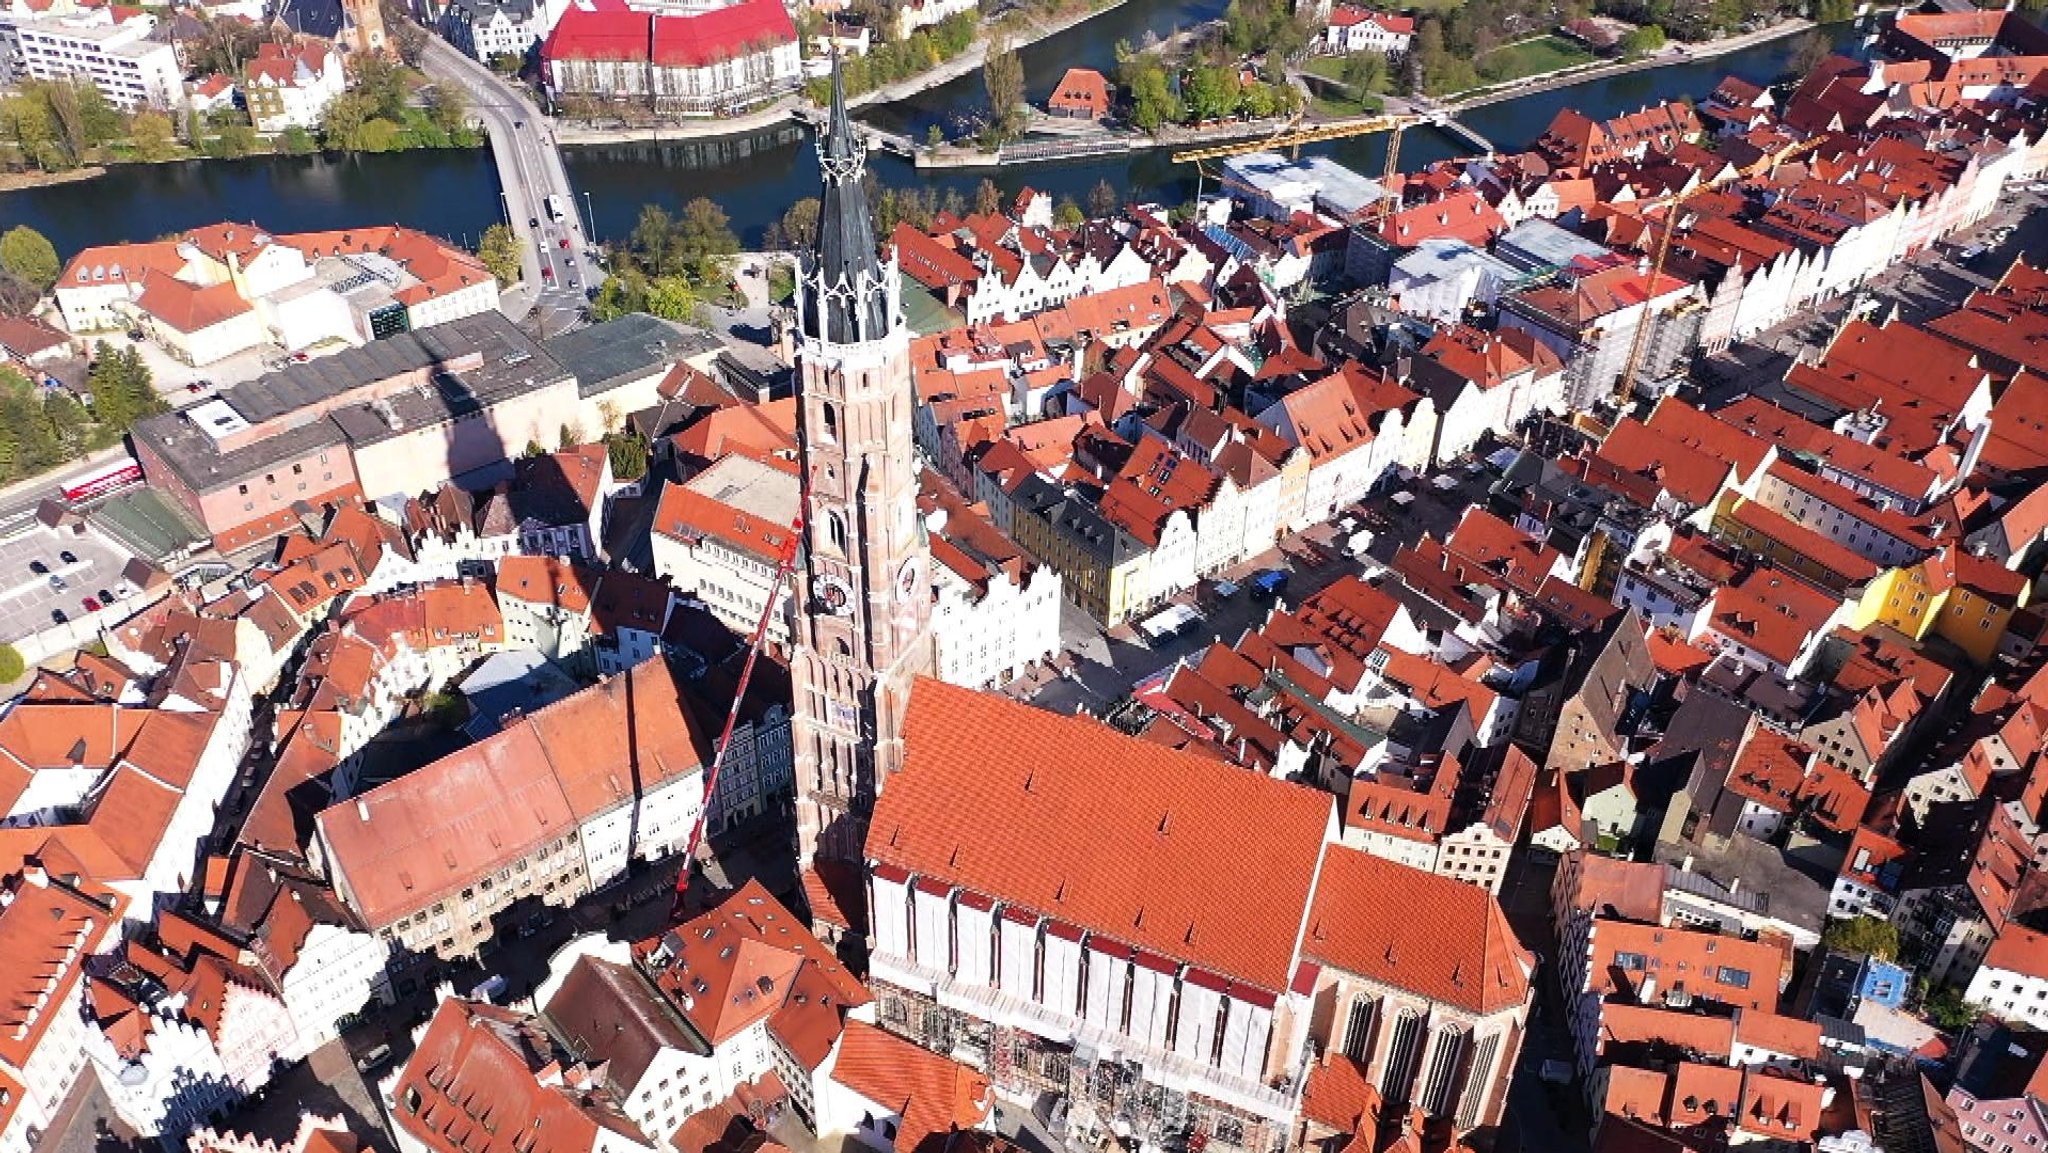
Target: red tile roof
1444,940
1009,801
933,1095
608,30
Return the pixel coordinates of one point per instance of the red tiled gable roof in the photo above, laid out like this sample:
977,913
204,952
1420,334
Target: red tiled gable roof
1706,1033
933,1095
1007,801
1687,473
1345,16
1444,940
1082,90
405,844
477,1075
748,961
608,30
1500,553
1703,1093
1768,770
1339,1095
546,580
187,308
1733,971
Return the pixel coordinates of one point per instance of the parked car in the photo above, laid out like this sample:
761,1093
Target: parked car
533,222
39,568
565,244
68,557
90,605
58,616
57,582
105,597
373,1060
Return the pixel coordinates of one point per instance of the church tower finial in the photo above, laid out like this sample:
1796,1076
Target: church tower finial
847,296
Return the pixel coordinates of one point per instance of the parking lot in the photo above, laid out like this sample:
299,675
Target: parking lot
30,600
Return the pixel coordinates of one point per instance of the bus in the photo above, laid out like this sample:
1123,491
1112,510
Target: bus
554,203
104,481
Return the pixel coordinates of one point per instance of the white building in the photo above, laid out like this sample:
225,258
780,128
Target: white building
2012,981
128,68
679,1027
696,63
291,87
1364,30
720,536
490,28
51,926
998,611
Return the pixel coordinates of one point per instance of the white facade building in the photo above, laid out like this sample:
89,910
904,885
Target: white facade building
128,68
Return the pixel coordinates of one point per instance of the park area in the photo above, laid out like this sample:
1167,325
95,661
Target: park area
1530,58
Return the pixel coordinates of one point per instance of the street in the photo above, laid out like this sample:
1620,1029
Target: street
557,258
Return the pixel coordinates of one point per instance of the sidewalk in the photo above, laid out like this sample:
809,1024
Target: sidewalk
1675,53
777,111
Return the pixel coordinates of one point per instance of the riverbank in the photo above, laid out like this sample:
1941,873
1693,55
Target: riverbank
1674,54
971,60
16,181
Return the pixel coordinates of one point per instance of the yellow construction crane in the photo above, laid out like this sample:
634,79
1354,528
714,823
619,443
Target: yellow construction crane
1296,137
1626,386
1390,199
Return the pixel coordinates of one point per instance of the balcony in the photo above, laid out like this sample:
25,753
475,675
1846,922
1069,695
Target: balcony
1166,1069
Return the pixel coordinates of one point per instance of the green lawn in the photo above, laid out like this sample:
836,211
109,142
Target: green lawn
1335,98
1327,67
1530,57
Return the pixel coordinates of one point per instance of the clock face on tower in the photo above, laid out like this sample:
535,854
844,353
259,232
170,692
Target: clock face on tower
834,596
909,581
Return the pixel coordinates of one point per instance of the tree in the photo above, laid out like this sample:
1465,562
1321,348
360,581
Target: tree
508,63
934,137
1212,92
1002,74
671,298
571,434
448,108
1643,41
29,256
988,199
704,239
1813,48
296,141
798,228
384,82
153,135
498,248
341,124
122,390
628,452
1869,935
533,449
1103,200
651,238
1366,72
11,664
1153,104
1945,1007
379,135
1068,214
234,140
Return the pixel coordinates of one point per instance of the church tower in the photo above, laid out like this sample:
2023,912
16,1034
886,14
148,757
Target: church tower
864,596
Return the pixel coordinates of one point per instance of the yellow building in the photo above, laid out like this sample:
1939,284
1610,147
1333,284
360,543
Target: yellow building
1963,599
1102,568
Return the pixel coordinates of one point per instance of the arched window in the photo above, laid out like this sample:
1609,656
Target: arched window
835,527
830,416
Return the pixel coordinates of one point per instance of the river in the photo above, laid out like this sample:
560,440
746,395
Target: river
756,176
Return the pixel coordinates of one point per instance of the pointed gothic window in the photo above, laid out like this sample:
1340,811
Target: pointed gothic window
836,526
831,421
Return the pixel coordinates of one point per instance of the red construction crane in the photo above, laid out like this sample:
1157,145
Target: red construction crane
785,565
